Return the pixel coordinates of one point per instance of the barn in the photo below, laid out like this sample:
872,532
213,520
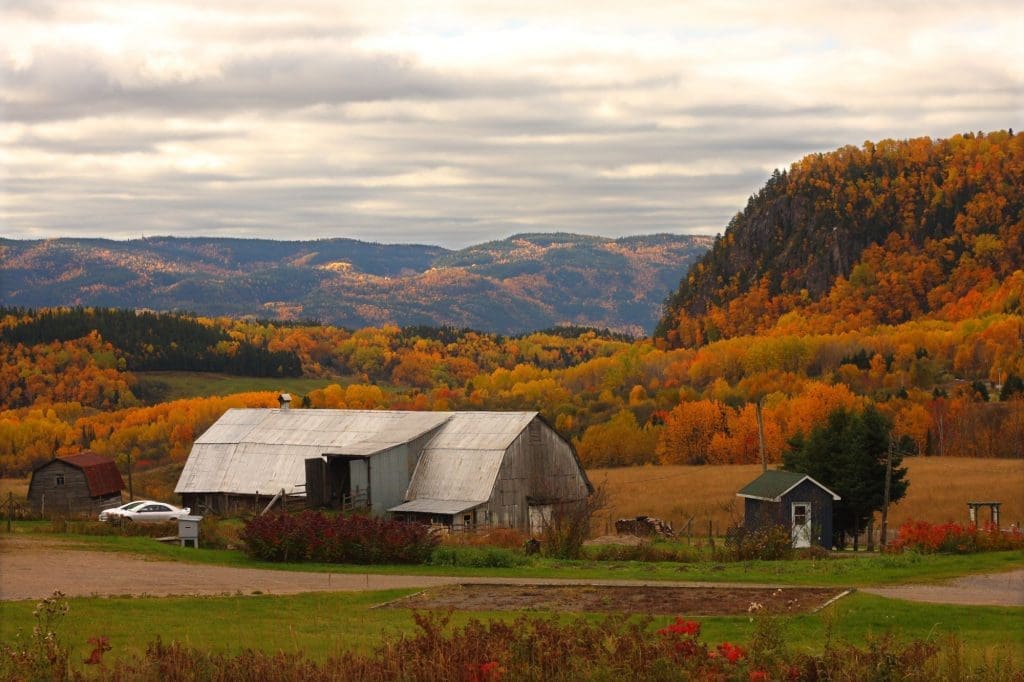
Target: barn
793,500
85,483
454,468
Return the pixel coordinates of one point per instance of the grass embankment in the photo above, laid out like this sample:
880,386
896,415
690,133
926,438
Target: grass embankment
321,625
940,488
158,387
848,571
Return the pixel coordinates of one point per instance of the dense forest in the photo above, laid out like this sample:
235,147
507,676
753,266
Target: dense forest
138,341
951,388
916,311
882,234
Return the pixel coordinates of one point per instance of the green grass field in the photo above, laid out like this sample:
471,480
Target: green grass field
157,387
320,625
849,571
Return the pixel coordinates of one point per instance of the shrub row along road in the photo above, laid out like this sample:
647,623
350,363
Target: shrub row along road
33,569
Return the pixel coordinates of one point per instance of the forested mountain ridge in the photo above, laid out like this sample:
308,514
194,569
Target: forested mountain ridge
519,284
881,234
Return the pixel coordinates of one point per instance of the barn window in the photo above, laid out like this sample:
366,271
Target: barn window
60,479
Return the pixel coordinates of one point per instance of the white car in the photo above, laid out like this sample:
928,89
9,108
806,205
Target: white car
149,510
115,512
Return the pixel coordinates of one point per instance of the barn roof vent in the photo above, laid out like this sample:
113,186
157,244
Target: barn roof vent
284,400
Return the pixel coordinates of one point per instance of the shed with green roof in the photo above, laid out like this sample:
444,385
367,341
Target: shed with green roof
793,500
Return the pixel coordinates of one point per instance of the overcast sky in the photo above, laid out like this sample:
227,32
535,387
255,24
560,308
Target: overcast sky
454,123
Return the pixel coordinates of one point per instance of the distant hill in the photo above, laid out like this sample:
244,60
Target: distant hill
882,234
523,283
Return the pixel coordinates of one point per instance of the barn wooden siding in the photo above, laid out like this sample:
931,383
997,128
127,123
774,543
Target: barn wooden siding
72,498
539,468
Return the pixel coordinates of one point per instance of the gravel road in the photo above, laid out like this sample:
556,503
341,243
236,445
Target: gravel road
34,568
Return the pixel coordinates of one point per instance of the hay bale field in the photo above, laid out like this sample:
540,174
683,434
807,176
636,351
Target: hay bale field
939,490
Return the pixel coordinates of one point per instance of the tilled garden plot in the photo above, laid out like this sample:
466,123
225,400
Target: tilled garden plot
689,601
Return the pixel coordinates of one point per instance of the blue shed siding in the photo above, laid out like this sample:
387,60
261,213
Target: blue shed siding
759,513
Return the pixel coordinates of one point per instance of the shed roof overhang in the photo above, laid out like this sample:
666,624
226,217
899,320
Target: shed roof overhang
428,506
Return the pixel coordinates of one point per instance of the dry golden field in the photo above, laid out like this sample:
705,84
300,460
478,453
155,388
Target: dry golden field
939,490
18,486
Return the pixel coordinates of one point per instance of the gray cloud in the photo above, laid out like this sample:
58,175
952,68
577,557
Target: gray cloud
384,123
62,85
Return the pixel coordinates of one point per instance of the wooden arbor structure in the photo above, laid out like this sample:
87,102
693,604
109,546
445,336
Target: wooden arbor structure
973,507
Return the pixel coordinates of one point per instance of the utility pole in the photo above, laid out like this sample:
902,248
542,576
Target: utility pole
760,434
888,484
131,491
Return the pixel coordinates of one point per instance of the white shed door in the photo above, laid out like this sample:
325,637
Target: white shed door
540,514
801,524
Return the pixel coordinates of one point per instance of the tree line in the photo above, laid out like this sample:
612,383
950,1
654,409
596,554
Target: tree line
949,388
149,341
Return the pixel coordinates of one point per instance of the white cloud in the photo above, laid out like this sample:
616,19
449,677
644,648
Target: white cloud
450,122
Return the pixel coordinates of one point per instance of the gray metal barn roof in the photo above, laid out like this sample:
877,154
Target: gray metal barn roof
264,450
461,462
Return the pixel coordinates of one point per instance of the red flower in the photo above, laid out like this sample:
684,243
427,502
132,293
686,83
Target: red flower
690,628
759,676
732,652
100,646
491,671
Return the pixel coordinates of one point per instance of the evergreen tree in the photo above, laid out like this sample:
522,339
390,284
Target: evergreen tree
847,455
1014,385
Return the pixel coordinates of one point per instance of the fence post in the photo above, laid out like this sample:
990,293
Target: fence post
10,510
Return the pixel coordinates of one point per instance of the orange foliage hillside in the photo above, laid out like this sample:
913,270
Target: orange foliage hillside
881,234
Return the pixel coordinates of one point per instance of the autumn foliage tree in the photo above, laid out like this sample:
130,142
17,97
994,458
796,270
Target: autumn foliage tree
689,429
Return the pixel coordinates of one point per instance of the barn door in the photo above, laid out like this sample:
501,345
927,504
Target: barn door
801,524
540,516
316,481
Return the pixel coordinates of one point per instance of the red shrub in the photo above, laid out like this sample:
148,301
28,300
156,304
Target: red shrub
315,536
954,538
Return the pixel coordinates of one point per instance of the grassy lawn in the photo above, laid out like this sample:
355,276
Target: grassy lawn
852,571
323,624
167,386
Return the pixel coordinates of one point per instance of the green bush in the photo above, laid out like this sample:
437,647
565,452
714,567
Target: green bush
768,543
148,530
643,552
477,557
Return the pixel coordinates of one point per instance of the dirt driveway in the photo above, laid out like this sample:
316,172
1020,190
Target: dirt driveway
34,568
990,589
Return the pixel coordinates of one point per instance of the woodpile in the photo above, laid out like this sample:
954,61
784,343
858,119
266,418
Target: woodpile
644,526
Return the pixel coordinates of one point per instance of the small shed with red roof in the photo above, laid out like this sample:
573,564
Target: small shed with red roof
85,483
